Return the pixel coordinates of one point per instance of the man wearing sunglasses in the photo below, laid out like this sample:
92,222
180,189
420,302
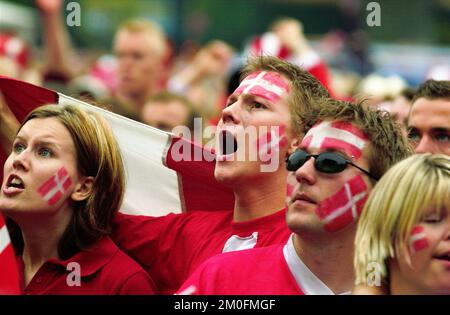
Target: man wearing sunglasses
346,148
171,247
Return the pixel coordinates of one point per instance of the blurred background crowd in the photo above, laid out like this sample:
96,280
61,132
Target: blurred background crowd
164,62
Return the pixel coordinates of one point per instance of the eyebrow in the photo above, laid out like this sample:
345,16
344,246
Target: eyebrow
440,129
42,142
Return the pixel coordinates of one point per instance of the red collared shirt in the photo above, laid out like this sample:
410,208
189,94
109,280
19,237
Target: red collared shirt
104,269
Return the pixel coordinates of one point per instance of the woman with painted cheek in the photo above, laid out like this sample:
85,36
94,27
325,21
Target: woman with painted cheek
403,238
63,184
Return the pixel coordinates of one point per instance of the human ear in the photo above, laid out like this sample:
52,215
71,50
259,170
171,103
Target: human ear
83,189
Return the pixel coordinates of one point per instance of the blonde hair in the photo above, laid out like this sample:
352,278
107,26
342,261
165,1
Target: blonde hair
149,28
97,155
404,194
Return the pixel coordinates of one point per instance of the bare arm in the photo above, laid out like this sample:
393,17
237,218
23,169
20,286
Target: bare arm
56,38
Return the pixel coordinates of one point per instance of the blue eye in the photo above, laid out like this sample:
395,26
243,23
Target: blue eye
442,137
413,135
44,152
18,148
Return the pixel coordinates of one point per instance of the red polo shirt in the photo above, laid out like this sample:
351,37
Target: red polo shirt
104,269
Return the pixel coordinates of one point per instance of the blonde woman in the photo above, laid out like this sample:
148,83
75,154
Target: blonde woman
403,237
63,184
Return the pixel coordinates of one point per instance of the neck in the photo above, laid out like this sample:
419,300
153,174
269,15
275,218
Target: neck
135,100
41,235
330,259
263,197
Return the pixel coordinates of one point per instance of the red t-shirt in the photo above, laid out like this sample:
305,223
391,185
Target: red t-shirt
104,269
260,271
171,247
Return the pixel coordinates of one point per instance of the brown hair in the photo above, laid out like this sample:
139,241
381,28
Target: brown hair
304,88
97,155
388,145
433,89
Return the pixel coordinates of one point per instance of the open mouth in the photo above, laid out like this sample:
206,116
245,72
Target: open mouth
15,182
445,257
227,145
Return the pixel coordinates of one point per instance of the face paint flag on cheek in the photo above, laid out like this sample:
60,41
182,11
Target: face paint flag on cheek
269,144
337,134
418,239
268,85
53,189
344,207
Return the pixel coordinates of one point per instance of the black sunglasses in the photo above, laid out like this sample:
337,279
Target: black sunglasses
326,162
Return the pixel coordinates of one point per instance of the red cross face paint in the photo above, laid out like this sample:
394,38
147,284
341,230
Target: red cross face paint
54,188
268,85
344,207
336,134
270,143
418,239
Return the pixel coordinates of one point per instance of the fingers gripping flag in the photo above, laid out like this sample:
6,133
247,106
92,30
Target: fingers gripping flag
9,275
156,183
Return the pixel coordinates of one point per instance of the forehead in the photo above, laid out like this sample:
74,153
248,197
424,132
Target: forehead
49,129
426,114
267,84
336,136
138,40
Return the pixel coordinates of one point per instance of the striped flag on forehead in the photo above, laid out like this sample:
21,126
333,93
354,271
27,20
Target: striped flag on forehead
336,135
269,85
9,275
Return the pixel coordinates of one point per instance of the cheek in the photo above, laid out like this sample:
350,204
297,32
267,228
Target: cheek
54,188
344,207
270,143
418,240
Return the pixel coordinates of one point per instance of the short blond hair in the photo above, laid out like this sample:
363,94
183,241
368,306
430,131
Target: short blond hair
397,203
150,28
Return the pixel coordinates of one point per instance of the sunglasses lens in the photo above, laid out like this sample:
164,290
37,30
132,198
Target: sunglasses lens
296,160
330,163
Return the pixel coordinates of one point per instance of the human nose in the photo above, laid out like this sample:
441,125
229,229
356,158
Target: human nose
306,173
425,145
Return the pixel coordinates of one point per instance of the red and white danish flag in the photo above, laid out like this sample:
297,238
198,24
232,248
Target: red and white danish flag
9,275
53,189
418,239
344,207
336,134
157,183
269,85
